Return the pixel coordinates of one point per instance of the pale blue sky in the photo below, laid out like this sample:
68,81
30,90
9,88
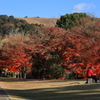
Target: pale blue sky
48,8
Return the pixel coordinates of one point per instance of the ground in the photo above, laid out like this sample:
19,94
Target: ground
30,89
48,22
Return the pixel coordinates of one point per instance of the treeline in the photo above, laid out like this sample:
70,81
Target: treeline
54,52
9,24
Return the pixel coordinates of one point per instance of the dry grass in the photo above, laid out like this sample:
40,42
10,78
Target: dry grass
30,89
49,22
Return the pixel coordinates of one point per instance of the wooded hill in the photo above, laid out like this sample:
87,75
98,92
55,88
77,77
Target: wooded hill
9,24
50,52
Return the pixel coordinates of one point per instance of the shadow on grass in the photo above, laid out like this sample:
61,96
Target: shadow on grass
5,79
76,92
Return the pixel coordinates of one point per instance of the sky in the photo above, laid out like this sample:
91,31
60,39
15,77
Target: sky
48,8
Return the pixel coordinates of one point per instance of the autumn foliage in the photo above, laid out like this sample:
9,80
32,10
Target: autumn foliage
74,49
83,50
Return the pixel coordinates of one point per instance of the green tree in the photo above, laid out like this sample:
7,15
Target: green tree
68,21
11,19
4,18
9,24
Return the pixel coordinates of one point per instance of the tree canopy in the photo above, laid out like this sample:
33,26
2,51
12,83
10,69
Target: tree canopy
44,53
68,21
9,24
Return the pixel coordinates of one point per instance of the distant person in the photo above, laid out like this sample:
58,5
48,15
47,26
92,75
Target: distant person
90,74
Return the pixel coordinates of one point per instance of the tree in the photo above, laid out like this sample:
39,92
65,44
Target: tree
74,49
15,56
47,41
68,21
83,49
13,25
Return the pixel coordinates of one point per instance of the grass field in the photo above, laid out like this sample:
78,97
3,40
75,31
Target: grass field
29,89
49,22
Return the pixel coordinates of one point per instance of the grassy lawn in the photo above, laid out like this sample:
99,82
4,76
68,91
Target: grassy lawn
29,89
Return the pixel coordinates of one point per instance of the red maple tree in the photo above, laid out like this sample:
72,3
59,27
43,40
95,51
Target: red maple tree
83,48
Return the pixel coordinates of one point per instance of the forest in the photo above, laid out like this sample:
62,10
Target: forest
64,51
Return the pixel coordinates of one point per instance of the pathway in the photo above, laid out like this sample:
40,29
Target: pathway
3,95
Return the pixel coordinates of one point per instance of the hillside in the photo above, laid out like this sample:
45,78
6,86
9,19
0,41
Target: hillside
49,22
